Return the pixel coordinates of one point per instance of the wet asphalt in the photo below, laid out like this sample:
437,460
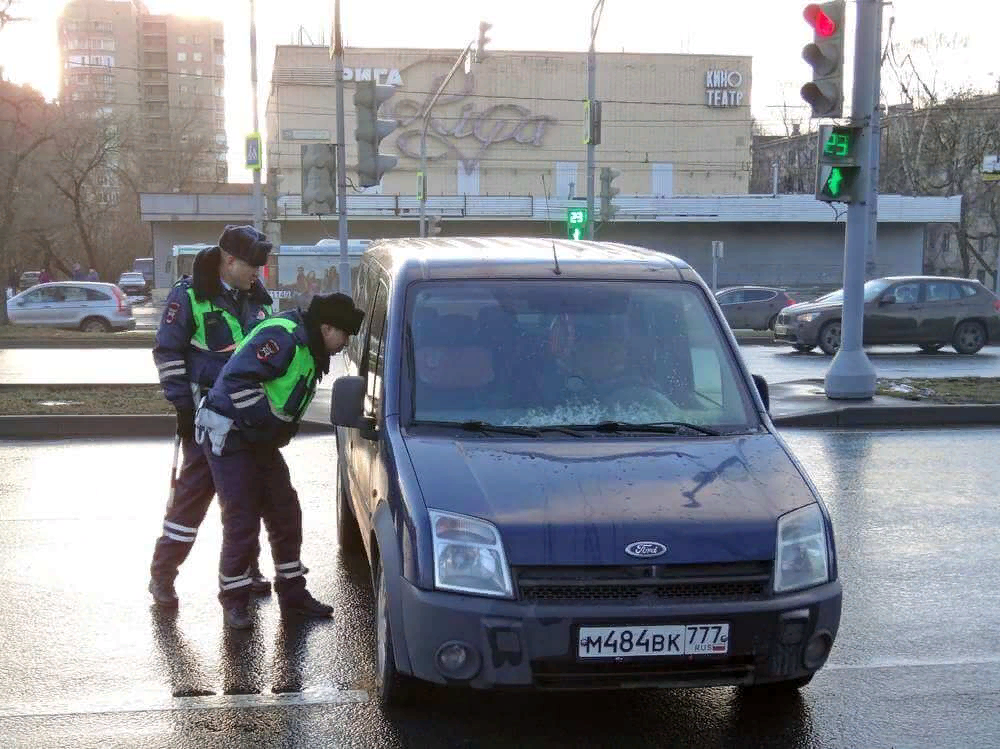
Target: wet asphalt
774,363
86,661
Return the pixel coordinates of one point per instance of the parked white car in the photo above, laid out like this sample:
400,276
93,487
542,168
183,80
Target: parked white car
81,305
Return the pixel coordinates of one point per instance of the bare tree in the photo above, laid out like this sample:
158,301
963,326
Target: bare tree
934,143
7,13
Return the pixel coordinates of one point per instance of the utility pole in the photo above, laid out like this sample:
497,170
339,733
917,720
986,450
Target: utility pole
851,375
258,200
338,71
595,20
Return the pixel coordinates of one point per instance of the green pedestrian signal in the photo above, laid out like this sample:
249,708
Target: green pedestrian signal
838,167
576,223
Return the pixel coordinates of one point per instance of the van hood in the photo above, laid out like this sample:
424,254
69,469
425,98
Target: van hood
582,502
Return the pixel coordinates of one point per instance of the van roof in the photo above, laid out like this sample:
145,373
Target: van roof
513,257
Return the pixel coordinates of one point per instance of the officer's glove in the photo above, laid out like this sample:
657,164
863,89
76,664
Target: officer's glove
185,423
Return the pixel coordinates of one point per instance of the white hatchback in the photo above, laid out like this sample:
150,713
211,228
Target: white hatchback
80,305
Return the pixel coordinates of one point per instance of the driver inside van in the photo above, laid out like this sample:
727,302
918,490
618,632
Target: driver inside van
453,366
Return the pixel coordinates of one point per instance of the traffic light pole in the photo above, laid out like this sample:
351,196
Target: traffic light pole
338,71
258,199
851,375
595,20
423,135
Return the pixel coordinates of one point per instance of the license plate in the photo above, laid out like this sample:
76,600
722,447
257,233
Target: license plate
781,329
659,641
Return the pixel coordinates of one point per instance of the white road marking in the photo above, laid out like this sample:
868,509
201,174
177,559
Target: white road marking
158,703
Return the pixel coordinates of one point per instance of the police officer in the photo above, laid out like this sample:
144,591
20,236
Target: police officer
206,316
254,409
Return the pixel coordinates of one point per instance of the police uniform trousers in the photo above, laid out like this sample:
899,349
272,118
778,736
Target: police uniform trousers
254,485
192,496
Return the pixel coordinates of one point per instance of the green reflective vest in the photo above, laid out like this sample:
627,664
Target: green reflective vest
199,309
290,394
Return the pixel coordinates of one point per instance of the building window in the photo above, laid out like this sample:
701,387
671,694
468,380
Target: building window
197,71
105,44
182,40
196,39
77,44
76,60
220,122
218,91
183,71
72,26
103,26
220,59
196,56
105,61
182,56
108,79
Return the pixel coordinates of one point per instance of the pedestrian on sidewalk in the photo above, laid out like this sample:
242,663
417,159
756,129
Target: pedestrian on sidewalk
251,412
206,316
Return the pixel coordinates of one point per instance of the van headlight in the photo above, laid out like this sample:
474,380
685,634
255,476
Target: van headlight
802,558
468,556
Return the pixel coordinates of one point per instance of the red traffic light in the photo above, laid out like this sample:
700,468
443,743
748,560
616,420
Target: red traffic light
820,21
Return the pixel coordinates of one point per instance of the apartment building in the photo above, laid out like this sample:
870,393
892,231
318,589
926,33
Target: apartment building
163,75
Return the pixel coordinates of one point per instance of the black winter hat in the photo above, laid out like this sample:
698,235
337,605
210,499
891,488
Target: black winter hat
246,243
337,310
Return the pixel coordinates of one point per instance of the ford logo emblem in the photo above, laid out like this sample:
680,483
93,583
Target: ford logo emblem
645,549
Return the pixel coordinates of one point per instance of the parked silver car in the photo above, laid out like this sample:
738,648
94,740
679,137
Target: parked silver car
82,305
752,307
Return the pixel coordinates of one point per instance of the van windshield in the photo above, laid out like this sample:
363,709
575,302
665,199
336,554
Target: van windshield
544,353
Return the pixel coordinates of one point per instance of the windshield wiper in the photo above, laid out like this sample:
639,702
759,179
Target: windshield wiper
485,426
658,427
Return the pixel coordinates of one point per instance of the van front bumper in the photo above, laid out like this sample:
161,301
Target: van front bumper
516,644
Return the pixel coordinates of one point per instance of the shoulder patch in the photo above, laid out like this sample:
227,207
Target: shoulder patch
267,349
261,314
172,309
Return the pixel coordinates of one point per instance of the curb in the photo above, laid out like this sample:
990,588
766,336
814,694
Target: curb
70,343
107,426
888,417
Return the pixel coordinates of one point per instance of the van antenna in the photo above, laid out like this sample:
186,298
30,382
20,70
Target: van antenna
548,218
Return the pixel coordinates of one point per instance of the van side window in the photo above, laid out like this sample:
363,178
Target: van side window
372,362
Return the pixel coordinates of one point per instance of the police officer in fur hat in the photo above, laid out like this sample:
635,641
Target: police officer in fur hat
206,317
251,412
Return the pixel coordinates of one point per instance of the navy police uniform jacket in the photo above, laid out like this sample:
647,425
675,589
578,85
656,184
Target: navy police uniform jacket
191,348
248,391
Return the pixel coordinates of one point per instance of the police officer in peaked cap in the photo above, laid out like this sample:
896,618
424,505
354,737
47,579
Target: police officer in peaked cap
207,315
251,412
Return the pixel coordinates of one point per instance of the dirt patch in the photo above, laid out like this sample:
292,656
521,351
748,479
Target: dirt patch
35,400
943,390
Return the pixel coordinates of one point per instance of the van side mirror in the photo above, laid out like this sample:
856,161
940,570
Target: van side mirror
347,402
765,393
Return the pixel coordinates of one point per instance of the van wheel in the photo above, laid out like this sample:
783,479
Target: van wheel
970,336
829,337
348,535
95,325
392,689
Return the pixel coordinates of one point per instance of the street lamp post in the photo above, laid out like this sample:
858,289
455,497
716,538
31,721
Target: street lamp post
423,135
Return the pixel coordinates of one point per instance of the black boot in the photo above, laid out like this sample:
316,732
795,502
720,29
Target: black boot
236,616
163,592
301,603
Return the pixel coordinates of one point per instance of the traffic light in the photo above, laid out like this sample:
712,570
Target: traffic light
368,97
576,223
825,93
838,168
480,53
591,122
608,192
319,179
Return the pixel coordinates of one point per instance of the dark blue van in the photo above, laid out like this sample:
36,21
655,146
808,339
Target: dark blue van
563,476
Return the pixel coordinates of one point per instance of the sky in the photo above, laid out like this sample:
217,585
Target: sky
773,34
